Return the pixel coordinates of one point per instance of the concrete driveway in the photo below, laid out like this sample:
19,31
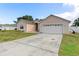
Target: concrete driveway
36,45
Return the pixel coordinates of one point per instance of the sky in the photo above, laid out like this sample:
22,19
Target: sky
9,12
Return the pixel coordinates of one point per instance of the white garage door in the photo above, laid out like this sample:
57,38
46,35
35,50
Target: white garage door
52,28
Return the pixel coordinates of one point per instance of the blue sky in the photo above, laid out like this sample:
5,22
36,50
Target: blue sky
9,12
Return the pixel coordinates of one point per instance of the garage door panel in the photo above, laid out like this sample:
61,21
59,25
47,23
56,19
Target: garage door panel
51,29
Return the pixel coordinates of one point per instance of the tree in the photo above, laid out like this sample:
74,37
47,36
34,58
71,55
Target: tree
76,22
36,19
26,17
15,22
30,18
19,18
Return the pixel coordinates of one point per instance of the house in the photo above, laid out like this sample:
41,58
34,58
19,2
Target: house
7,27
51,24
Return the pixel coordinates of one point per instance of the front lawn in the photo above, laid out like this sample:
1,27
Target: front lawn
9,35
69,45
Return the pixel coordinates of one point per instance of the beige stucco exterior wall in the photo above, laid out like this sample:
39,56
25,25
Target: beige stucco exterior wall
56,20
31,27
22,23
28,26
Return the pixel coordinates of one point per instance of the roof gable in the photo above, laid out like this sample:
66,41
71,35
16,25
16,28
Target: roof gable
56,17
59,18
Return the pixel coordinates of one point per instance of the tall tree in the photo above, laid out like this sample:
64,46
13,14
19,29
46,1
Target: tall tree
26,17
15,22
76,22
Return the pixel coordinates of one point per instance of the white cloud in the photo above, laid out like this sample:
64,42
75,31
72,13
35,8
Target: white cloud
73,14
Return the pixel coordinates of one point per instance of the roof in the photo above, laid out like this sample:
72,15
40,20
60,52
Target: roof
55,16
61,18
38,21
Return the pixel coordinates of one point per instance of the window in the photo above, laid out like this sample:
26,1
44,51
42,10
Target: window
21,27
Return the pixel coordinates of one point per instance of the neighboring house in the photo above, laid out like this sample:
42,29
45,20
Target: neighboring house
51,24
7,27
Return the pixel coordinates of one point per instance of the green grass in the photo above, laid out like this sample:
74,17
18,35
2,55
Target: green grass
9,35
69,45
